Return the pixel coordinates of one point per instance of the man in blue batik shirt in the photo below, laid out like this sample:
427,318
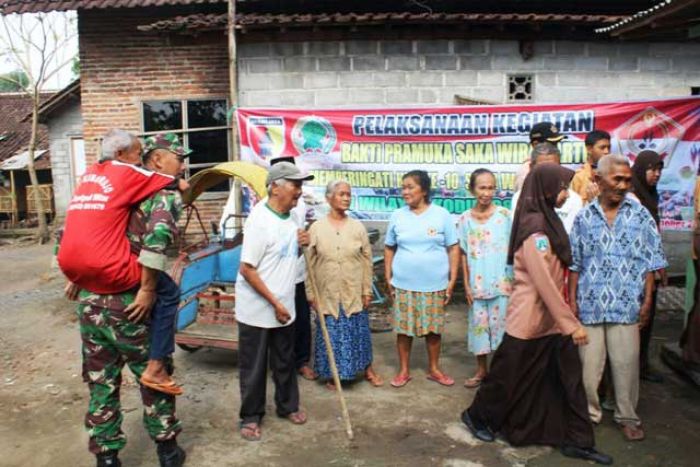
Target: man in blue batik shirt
616,249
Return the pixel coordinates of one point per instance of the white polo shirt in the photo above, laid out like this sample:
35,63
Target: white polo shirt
270,245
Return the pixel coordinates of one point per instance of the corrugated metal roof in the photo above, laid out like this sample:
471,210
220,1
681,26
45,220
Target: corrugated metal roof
20,161
29,6
217,21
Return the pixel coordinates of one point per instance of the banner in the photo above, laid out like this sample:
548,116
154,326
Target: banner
373,148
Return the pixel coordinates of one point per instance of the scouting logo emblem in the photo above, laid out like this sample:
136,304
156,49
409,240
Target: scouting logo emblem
314,135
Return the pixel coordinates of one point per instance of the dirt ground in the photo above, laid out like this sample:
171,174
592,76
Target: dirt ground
42,401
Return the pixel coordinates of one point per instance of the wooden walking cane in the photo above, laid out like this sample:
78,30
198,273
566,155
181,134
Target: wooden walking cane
329,352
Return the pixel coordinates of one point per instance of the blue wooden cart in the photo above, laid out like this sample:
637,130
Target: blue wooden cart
206,270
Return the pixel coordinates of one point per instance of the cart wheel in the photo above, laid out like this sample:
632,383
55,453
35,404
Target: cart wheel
188,348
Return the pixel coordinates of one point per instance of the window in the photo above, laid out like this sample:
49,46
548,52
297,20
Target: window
695,90
202,126
520,88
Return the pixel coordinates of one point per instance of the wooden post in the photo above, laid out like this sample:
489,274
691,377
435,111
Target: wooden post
233,102
233,75
13,216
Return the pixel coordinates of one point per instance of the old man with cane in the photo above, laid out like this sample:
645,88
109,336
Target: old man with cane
265,301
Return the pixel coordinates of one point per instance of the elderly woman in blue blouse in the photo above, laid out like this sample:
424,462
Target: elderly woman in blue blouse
421,258
340,263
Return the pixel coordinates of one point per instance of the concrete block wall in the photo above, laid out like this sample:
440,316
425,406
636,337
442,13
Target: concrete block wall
62,126
362,73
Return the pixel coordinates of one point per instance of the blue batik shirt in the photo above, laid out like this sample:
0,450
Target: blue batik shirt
613,262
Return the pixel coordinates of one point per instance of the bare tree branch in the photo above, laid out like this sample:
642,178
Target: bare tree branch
37,48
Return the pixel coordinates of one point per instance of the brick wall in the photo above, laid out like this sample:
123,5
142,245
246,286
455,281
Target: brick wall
352,73
120,67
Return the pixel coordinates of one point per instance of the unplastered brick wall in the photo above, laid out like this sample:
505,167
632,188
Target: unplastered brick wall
121,67
377,73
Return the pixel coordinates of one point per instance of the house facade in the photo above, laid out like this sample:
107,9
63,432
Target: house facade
164,64
15,132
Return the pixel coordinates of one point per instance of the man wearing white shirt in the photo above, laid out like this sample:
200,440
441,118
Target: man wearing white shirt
543,153
265,308
303,337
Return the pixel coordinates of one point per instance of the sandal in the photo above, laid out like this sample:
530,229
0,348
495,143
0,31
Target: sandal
251,431
307,373
170,388
441,379
400,381
632,432
473,382
298,417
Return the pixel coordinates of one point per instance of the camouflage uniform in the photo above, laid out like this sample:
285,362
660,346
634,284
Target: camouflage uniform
111,341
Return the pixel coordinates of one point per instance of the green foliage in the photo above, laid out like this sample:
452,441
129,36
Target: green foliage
14,81
75,67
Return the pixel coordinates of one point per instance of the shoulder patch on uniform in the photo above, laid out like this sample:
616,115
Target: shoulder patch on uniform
541,243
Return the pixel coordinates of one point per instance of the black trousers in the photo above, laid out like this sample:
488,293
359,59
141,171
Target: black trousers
302,326
257,346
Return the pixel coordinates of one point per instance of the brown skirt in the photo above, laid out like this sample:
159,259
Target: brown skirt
534,393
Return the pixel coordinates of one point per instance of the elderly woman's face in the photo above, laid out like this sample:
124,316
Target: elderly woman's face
341,197
412,192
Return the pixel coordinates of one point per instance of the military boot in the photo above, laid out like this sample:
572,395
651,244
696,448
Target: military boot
108,459
170,454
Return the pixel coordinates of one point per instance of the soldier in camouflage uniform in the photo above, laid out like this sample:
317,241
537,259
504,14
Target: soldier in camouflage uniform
153,228
112,337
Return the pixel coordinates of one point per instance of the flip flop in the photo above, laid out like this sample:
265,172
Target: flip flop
297,418
170,388
473,382
442,379
307,373
251,432
400,381
632,433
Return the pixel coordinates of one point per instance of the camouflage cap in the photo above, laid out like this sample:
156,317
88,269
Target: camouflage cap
168,141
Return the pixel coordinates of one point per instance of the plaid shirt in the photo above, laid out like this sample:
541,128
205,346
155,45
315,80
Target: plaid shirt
613,262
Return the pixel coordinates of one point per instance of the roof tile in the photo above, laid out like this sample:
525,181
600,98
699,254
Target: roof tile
16,127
